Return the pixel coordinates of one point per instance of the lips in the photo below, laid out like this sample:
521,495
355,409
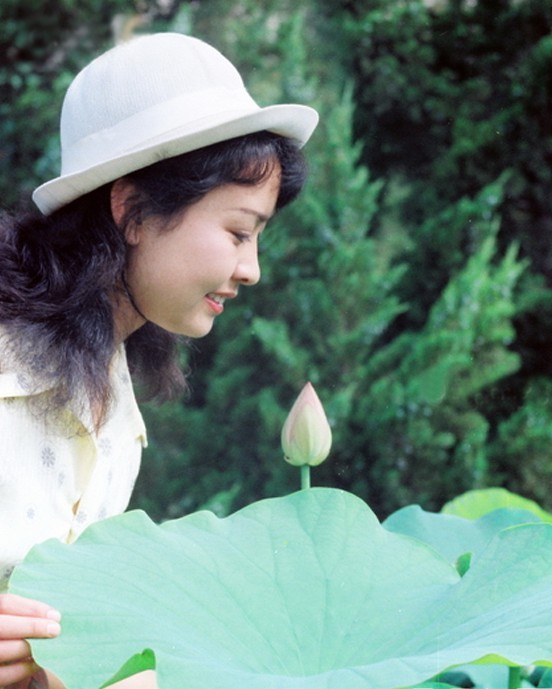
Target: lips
216,302
219,298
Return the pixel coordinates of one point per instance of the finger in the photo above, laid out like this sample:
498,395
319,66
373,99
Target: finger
15,672
17,627
14,650
10,604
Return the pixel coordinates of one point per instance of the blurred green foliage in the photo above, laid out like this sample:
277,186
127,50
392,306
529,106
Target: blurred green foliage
410,281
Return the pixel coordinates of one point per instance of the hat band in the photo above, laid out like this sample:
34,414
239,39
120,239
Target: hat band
187,113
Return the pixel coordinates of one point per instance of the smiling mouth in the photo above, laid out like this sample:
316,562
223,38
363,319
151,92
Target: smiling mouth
216,302
216,297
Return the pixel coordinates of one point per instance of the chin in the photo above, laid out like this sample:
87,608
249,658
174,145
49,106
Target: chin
194,331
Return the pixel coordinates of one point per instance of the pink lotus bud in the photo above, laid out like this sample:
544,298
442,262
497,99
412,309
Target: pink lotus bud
306,435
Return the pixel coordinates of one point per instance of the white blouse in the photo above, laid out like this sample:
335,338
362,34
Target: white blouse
55,481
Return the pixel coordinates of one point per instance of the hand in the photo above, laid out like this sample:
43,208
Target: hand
21,619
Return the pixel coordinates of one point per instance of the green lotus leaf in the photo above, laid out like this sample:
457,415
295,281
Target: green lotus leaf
303,592
483,676
476,503
546,679
480,676
454,536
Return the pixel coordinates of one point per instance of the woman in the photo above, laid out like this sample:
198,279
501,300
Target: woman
170,172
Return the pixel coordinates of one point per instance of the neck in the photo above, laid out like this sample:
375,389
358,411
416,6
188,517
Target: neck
127,317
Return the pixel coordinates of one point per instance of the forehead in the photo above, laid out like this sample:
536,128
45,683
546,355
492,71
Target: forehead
258,199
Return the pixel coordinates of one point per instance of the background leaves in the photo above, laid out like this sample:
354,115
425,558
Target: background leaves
410,283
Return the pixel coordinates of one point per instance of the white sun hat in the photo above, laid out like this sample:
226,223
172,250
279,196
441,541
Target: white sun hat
152,98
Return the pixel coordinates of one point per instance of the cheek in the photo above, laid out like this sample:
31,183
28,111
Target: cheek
170,265
163,279
147,269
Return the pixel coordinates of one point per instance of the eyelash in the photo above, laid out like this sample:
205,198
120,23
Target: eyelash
242,237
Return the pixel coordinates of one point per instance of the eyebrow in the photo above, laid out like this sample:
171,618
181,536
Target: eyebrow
261,217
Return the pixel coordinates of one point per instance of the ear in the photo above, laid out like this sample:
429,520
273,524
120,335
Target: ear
121,191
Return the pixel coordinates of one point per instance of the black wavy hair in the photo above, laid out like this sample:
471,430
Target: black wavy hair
59,273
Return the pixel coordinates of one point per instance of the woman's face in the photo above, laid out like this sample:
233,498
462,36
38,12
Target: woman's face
182,276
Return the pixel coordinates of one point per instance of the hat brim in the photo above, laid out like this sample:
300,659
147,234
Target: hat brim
296,122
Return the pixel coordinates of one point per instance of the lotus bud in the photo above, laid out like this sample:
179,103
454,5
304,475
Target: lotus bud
306,434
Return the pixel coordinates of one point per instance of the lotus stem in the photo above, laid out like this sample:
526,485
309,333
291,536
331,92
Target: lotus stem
514,677
305,477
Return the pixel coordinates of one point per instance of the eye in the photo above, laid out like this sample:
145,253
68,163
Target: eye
241,237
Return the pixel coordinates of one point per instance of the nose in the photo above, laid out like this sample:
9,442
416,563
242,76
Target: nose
248,270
